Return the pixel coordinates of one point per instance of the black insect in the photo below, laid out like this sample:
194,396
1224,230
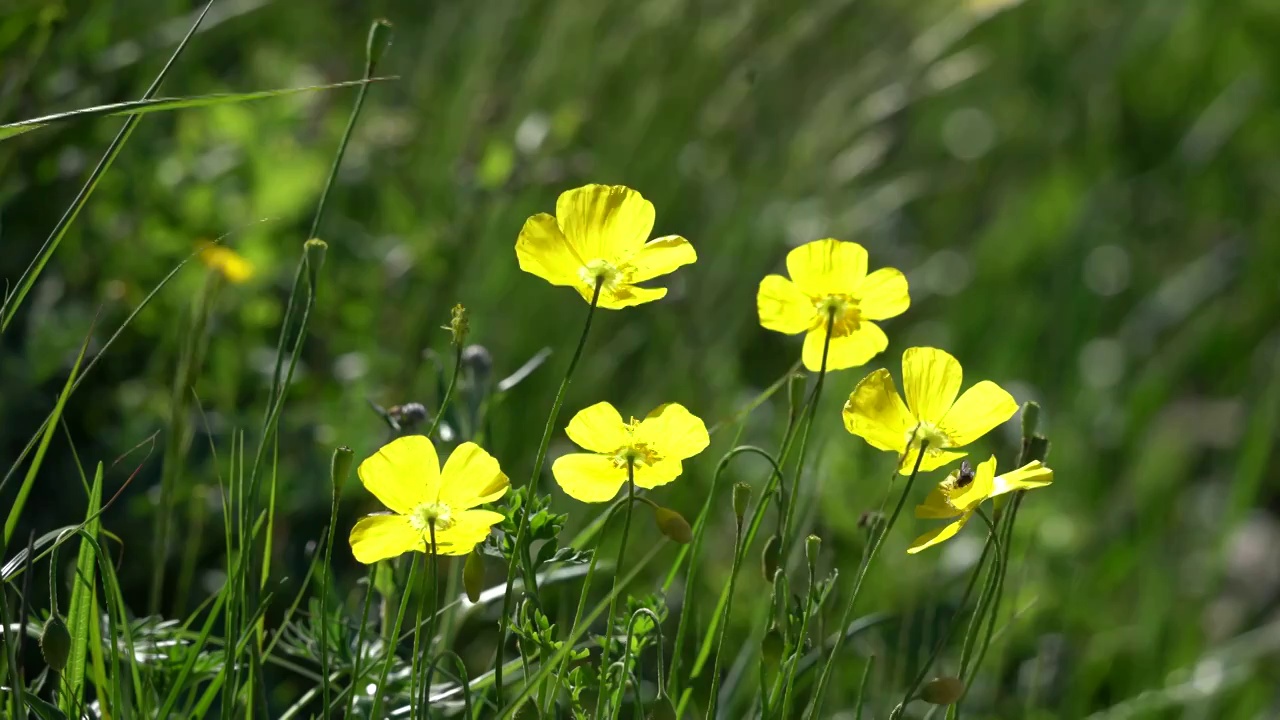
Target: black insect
965,475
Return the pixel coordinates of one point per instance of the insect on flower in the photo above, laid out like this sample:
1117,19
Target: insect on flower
964,490
405,475
876,412
653,448
597,236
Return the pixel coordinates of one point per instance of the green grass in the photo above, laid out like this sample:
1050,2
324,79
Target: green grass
1079,192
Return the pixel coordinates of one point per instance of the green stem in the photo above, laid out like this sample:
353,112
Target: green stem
522,528
356,672
799,651
714,700
789,501
338,469
617,589
815,708
380,691
448,391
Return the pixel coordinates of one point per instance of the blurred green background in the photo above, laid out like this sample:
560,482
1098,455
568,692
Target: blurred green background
1084,194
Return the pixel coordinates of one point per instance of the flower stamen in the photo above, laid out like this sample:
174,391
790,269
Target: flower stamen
426,515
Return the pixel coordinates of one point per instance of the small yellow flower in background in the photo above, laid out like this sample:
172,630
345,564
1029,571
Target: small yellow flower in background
830,276
406,476
654,446
876,413
598,234
965,489
227,262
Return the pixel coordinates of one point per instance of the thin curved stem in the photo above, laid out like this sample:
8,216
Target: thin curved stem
613,599
448,391
626,657
380,692
523,527
789,500
713,701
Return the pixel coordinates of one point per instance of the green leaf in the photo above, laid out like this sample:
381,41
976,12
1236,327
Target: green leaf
142,107
84,601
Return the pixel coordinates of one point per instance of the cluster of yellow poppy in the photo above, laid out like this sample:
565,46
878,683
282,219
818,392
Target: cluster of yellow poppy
598,243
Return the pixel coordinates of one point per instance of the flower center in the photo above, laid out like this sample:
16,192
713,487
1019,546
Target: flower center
427,514
634,453
843,311
606,273
928,431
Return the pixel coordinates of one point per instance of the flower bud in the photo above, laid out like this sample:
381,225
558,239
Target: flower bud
773,645
339,469
1037,448
377,44
314,251
741,498
673,525
812,545
942,691
662,709
473,576
795,394
55,643
769,557
1030,418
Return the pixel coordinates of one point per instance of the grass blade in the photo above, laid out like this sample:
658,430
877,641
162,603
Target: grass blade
83,612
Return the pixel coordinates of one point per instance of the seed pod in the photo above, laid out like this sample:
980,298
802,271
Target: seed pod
812,545
673,525
942,691
459,325
339,469
377,43
662,709
55,643
795,394
473,576
741,498
769,557
1030,418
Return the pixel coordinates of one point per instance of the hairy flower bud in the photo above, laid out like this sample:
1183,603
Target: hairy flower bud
55,643
942,691
673,525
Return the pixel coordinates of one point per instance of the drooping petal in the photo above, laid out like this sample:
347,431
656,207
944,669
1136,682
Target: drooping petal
1031,475
875,412
471,477
936,507
673,432
845,351
981,408
622,296
604,222
931,378
470,528
659,473
883,294
968,498
827,267
598,428
933,537
378,537
783,307
933,458
403,474
661,256
544,251
588,477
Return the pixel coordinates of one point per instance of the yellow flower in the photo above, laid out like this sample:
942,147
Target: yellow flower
876,413
406,476
965,489
598,234
829,279
654,446
227,262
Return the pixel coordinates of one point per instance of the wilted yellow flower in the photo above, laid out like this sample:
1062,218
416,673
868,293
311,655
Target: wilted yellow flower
598,234
227,262
965,489
829,279
876,413
406,476
654,446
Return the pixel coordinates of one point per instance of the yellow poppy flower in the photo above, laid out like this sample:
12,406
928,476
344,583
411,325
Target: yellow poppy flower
876,413
965,489
406,476
226,262
830,276
656,446
598,234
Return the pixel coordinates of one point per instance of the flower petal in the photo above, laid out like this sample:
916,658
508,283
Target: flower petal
598,428
471,477
931,378
673,432
827,267
403,474
875,412
544,251
981,408
783,307
936,506
883,294
933,459
934,537
971,496
659,473
846,351
588,477
470,528
622,296
604,222
661,256
378,537
1029,476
